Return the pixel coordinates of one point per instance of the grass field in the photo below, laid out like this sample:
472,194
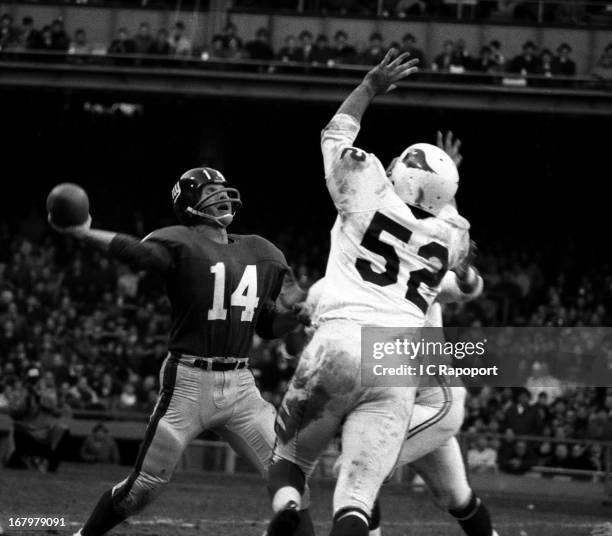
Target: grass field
201,503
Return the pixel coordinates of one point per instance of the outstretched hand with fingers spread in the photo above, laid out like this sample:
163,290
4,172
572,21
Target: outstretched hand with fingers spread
384,77
450,147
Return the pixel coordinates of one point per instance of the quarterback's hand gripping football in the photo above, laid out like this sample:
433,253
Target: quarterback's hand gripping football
78,231
450,146
384,77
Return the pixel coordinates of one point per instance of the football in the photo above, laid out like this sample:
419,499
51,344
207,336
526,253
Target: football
67,205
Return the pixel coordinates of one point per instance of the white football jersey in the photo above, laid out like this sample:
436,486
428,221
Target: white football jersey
386,260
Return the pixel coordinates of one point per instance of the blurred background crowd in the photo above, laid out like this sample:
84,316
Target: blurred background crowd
326,51
90,333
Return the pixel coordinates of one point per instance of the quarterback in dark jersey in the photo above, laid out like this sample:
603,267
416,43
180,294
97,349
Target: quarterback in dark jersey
222,289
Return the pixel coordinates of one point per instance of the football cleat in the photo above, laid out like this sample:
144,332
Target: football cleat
285,521
424,176
191,206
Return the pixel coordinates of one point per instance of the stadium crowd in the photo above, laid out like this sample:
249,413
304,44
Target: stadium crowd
320,50
90,334
558,12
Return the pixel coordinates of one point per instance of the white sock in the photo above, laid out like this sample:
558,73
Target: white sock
376,532
285,495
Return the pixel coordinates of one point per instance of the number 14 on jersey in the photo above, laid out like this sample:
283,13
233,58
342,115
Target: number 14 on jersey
245,294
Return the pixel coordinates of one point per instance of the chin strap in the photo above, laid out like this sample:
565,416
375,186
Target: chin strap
219,221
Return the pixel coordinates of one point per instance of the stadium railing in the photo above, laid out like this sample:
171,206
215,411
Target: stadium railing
603,476
574,12
204,453
169,64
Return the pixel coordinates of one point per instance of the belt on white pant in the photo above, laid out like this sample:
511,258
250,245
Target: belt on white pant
212,363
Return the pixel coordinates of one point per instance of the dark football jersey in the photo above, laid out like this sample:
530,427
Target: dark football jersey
217,291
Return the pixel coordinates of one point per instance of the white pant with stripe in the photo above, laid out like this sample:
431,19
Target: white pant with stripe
193,400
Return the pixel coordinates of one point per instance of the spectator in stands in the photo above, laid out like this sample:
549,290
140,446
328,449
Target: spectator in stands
306,52
595,457
461,56
485,63
144,39
84,393
128,400
79,44
260,48
375,51
234,49
342,51
123,44
544,453
516,460
542,381
410,7
481,457
563,64
8,32
217,48
29,37
409,45
231,32
497,54
106,389
290,50
560,457
323,52
578,458
160,46
39,434
603,67
547,59
444,60
100,447
522,418
180,45
528,62
59,37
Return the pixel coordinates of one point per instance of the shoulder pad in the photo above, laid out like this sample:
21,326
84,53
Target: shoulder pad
264,247
174,233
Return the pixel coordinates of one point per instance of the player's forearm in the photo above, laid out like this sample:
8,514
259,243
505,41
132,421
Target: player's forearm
273,323
98,238
358,101
460,287
284,323
129,249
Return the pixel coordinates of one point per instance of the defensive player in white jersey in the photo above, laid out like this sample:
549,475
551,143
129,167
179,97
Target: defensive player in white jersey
431,445
437,416
391,246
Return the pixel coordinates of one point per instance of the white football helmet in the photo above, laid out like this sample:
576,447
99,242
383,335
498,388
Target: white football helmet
424,176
